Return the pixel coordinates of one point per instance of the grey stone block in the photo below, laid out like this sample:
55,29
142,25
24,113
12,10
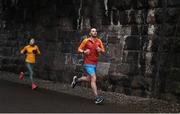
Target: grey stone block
173,3
103,68
155,3
132,43
130,57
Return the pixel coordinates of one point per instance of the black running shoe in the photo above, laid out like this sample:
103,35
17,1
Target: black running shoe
74,82
99,100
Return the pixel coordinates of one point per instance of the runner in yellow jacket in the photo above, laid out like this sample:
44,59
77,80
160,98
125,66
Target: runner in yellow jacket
30,51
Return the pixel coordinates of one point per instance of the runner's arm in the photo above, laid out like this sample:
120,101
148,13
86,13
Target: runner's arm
23,51
82,45
38,51
102,49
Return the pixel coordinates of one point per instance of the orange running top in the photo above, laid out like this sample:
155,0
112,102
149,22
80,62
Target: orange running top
87,43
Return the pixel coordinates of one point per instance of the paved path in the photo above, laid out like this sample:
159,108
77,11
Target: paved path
17,98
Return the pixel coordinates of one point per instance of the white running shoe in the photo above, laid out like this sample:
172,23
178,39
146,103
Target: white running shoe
74,82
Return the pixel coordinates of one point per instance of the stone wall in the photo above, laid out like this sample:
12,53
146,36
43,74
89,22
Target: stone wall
140,36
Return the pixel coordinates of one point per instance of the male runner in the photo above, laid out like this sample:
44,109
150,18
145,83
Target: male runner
91,47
